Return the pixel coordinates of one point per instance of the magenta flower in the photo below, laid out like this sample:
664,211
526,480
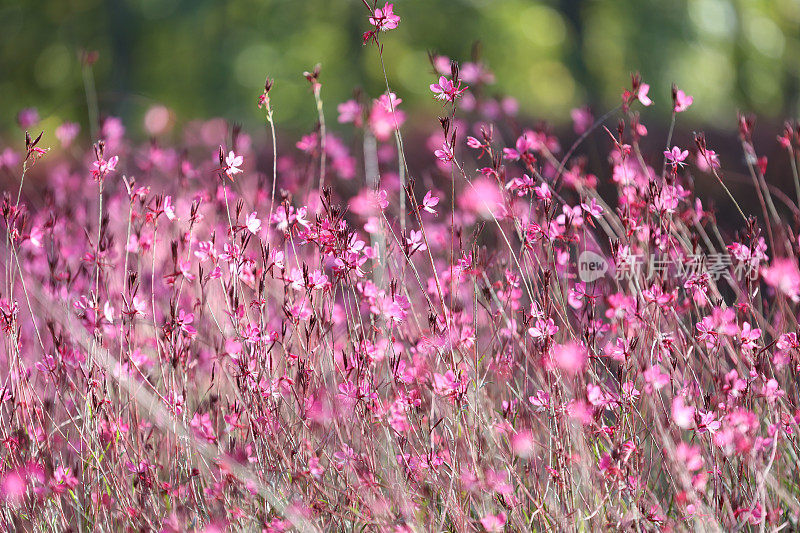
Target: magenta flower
101,168
569,358
582,119
184,321
783,275
676,156
540,401
384,19
446,90
682,414
593,208
472,142
447,384
543,328
253,223
682,101
521,149
384,116
27,118
494,523
381,199
349,111
415,242
63,480
638,91
203,427
445,154
233,164
67,132
169,209
641,94
429,202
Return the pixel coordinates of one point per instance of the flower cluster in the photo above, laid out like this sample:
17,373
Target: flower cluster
416,346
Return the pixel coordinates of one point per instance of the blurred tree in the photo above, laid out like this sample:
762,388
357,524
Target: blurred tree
204,58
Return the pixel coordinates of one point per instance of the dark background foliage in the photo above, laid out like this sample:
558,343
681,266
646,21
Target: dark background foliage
205,58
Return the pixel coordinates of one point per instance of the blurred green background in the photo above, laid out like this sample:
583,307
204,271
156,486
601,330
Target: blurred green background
204,58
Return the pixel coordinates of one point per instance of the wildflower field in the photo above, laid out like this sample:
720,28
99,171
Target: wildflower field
466,329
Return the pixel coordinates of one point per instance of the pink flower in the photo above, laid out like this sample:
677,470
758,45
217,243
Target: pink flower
655,378
754,515
63,480
600,398
169,209
593,208
203,427
13,486
788,341
772,391
389,101
27,118
749,336
682,414
317,280
540,401
381,199
384,117
307,143
522,444
638,91
582,119
445,154
619,351
349,111
543,328
521,185
446,385
347,395
66,132
429,202
494,523
446,90
689,456
521,149
676,156
233,163
472,142
707,160
184,321
707,422
682,101
315,468
641,94
415,242
112,130
629,392
543,192
570,357
8,158
102,168
344,457
784,276
384,19
483,198
252,222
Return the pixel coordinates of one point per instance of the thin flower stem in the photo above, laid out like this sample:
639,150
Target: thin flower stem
322,135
